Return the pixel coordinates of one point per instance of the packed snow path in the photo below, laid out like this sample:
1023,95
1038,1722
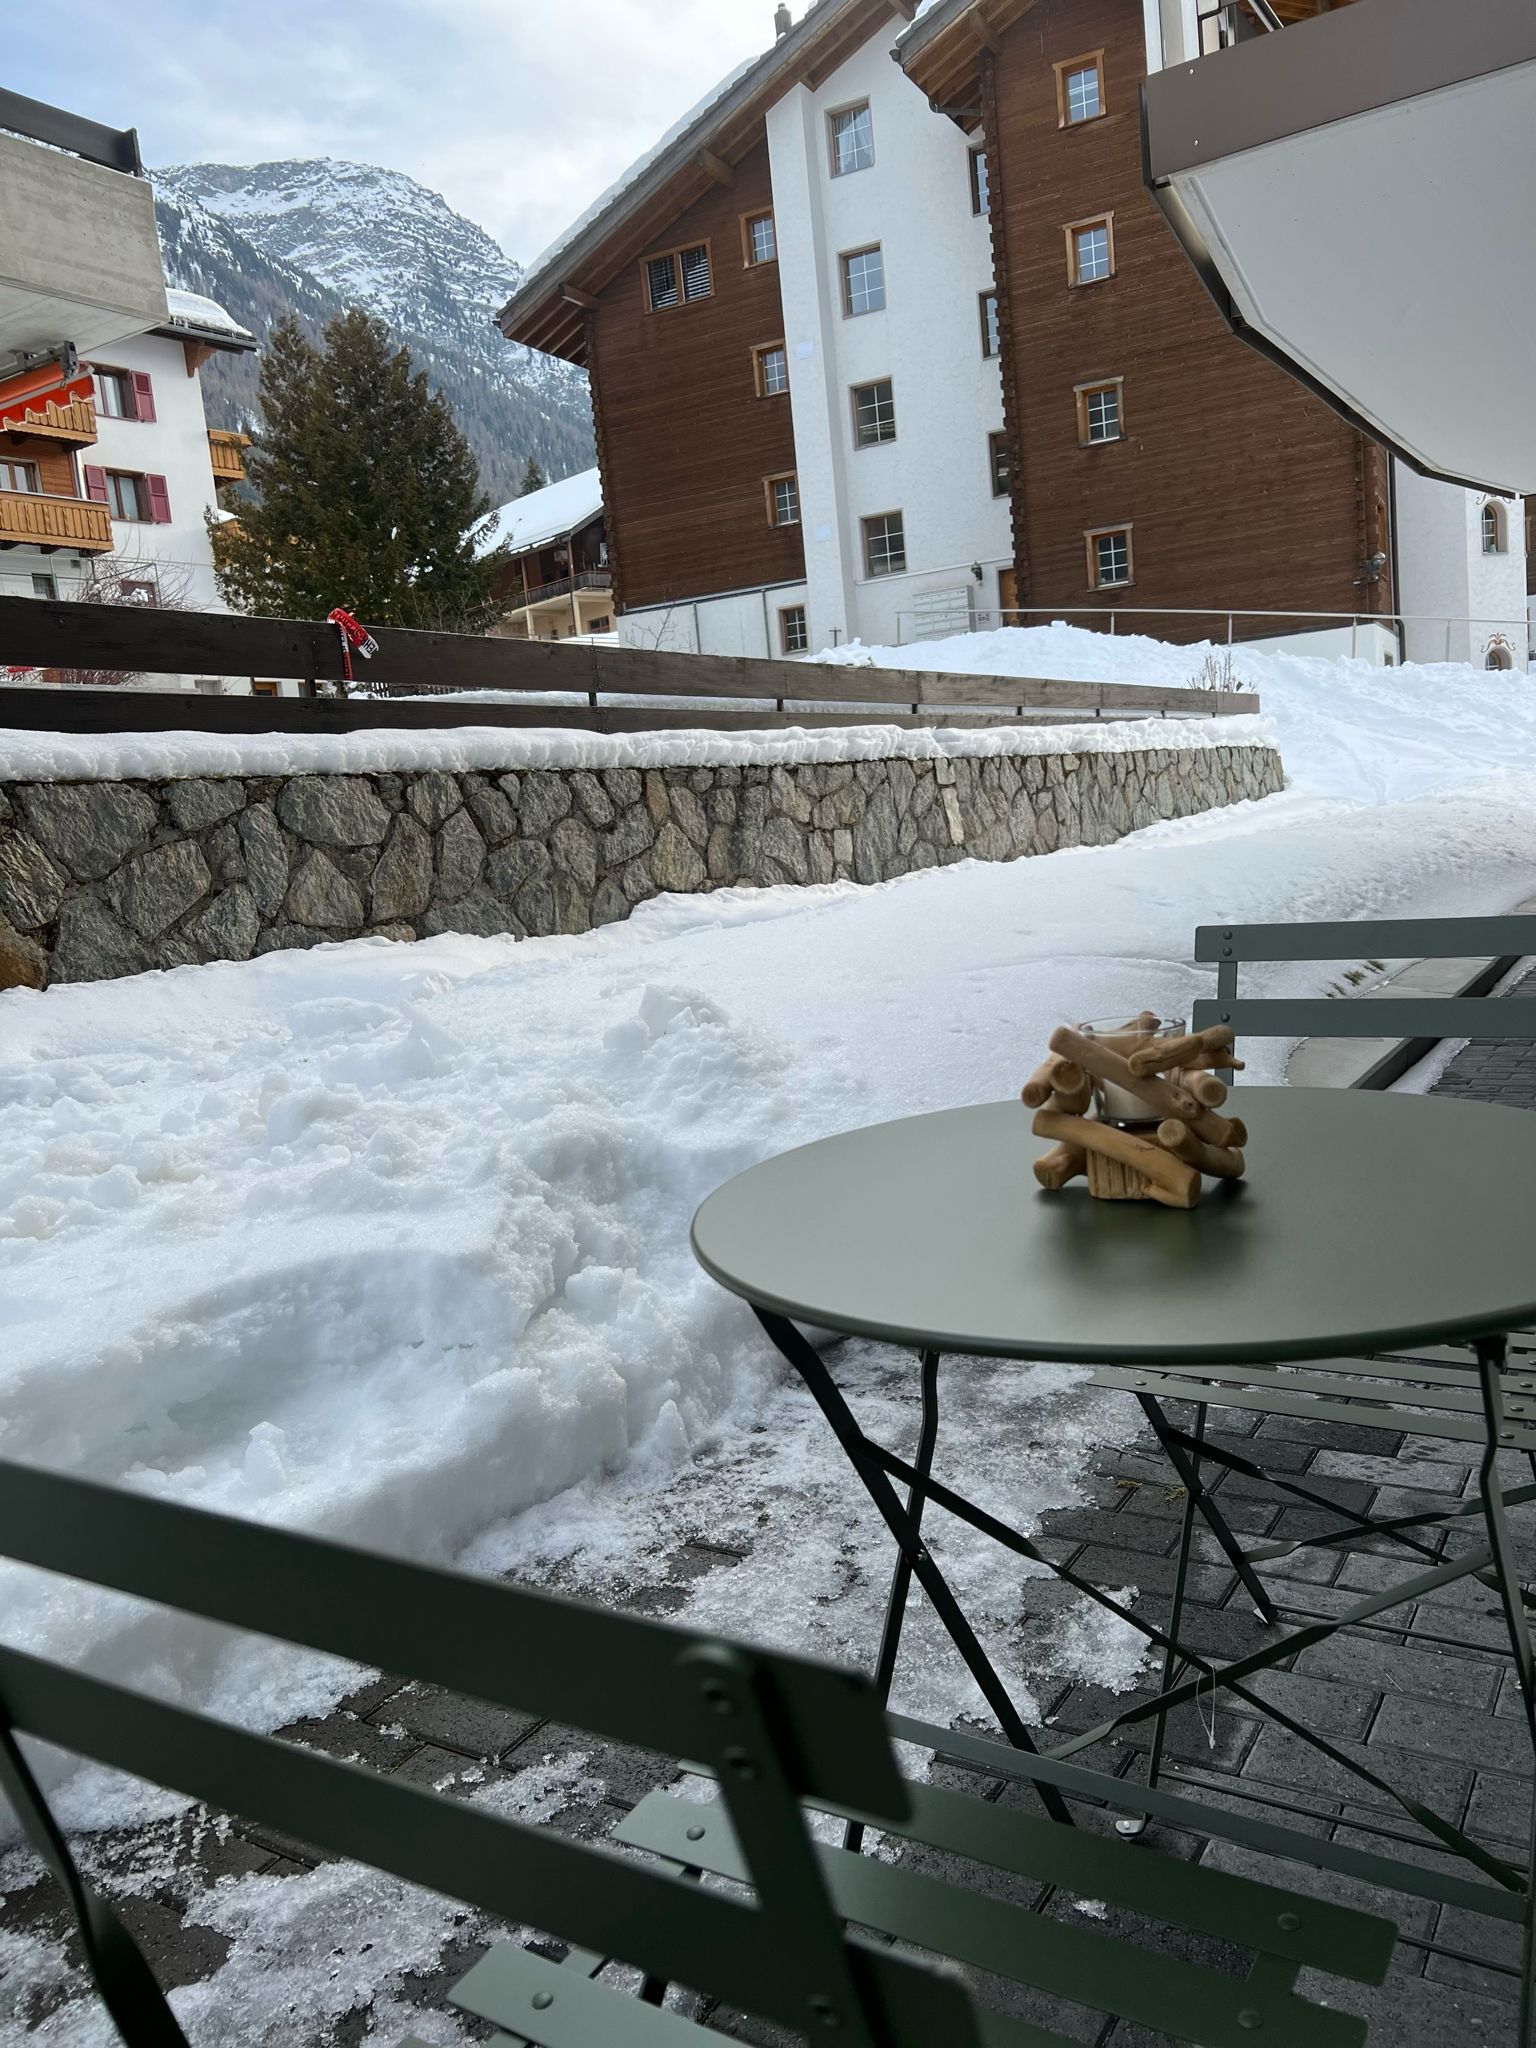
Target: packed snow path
391,1242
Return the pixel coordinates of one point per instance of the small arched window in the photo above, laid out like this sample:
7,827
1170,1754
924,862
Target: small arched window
1493,529
1498,658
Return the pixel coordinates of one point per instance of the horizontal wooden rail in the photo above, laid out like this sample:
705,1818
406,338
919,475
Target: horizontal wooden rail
36,634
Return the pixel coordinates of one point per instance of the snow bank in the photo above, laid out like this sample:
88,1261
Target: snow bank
159,756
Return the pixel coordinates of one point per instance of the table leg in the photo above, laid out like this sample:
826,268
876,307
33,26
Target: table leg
1491,1355
1173,1663
901,1575
807,1362
1215,1521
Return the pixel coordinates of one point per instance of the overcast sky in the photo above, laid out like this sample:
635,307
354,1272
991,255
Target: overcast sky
518,111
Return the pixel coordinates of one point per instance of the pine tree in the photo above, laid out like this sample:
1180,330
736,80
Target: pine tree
534,478
367,494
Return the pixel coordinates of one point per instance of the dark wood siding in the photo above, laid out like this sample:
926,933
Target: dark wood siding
55,466
1243,490
685,441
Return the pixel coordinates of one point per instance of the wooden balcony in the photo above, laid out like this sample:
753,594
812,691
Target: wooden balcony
73,422
29,520
226,452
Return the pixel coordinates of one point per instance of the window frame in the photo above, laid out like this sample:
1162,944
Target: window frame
786,612
1092,535
872,384
1493,521
23,465
871,573
1090,60
1072,230
760,351
981,181
990,329
123,379
749,260
834,115
136,477
676,253
844,259
51,594
1081,394
998,443
782,476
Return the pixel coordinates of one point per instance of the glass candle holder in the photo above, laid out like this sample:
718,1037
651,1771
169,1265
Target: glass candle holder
1117,1105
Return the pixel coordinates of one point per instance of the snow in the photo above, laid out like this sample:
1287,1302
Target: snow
550,514
391,1242
107,757
191,309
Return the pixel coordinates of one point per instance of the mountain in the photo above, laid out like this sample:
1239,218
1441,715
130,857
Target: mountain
315,237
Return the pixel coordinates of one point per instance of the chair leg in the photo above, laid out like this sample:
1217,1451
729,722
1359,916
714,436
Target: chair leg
1173,1664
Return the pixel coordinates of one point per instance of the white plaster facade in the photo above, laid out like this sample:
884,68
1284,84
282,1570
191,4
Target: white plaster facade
915,202
1461,602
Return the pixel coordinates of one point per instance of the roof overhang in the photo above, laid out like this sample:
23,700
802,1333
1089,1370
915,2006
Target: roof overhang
1355,193
548,310
942,51
209,337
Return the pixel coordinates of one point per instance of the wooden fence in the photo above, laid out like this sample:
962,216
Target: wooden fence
144,641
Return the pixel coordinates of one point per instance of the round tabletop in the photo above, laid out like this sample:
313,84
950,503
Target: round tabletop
1370,1220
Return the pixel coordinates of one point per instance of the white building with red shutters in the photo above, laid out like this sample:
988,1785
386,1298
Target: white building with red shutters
140,448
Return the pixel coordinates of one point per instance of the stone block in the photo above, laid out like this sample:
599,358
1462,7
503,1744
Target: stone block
23,963
31,887
93,945
151,891
459,856
87,828
592,800
675,863
226,928
433,798
632,835
202,801
321,896
492,813
402,881
266,858
573,848
333,810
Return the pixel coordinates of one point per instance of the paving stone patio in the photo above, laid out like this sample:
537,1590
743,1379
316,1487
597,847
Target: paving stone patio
1428,1698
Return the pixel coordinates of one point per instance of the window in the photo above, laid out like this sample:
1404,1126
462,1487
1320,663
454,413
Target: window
853,141
783,500
1493,529
1110,563
1091,250
1000,464
1498,658
1080,90
139,498
261,686
44,586
770,370
141,590
123,394
1100,412
981,186
874,413
678,278
759,243
863,282
885,545
991,341
794,633
19,476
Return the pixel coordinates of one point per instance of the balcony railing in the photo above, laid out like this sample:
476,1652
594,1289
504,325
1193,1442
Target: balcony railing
586,579
226,453
117,148
29,519
1224,22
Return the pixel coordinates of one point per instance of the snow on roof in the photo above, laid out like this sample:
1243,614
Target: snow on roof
548,514
191,309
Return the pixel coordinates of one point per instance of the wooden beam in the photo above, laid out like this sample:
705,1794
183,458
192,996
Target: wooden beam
575,297
716,167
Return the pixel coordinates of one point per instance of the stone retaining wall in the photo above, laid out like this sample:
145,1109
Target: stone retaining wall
101,878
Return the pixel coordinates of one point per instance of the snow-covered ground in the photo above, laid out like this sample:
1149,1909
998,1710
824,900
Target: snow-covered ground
391,1242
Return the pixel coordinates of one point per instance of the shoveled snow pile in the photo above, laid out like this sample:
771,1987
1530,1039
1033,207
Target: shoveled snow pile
391,1242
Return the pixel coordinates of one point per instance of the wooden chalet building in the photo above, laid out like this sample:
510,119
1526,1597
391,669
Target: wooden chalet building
884,349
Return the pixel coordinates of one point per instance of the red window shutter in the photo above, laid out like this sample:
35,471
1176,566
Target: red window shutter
143,397
96,484
159,500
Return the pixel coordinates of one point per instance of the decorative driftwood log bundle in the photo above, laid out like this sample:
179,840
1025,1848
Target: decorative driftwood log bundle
1185,1133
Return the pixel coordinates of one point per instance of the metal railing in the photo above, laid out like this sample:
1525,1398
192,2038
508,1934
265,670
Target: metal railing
1222,23
117,148
1226,621
585,579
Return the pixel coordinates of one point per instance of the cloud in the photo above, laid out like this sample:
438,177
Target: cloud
518,112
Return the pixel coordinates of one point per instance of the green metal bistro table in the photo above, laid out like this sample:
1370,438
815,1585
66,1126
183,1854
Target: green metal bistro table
1370,1222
